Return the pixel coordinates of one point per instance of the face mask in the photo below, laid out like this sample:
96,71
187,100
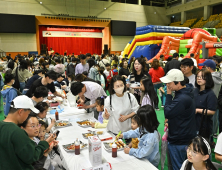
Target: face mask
119,90
74,63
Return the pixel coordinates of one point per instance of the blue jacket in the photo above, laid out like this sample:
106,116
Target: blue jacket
148,146
8,94
180,112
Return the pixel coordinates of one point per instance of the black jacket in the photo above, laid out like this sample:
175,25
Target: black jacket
171,65
180,112
70,69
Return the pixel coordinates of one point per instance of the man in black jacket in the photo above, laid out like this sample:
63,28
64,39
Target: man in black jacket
174,63
180,112
71,67
220,110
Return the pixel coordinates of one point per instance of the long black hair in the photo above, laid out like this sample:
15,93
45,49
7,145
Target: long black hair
201,146
23,65
148,119
142,62
149,90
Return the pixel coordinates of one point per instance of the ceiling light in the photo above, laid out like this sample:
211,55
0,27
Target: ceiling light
40,3
105,8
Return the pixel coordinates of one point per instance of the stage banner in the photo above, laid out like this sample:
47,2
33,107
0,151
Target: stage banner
72,34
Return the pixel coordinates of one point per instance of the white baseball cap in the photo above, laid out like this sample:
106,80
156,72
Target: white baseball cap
173,75
24,102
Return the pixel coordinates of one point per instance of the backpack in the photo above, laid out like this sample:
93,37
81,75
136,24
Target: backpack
111,74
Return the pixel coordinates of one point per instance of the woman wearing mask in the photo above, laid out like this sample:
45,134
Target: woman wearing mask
120,106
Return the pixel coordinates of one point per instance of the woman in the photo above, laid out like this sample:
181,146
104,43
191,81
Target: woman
156,72
124,71
93,70
120,106
205,100
23,73
139,71
59,67
132,60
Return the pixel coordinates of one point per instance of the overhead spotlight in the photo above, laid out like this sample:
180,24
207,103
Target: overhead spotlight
105,8
40,3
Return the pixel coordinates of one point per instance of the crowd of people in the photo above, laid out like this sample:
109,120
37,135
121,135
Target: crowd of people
125,96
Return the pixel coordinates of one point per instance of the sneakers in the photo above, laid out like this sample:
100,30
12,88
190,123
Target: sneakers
162,106
157,109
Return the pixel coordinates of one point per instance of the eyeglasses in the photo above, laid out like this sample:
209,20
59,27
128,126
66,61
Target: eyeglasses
200,77
35,126
193,153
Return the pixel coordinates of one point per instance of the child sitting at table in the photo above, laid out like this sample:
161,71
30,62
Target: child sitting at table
100,108
43,109
53,161
135,123
147,134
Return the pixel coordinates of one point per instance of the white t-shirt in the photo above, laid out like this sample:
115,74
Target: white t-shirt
184,164
192,79
106,73
194,61
218,147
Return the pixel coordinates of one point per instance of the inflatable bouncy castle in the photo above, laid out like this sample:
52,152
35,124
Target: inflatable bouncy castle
153,41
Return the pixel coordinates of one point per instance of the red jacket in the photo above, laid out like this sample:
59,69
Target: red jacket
156,74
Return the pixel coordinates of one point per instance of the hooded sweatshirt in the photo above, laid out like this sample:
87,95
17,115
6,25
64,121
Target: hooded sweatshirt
217,82
8,94
180,112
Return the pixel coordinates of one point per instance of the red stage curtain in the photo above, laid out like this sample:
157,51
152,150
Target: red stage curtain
71,44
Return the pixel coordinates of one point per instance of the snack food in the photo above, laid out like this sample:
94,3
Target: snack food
119,144
84,123
99,132
61,124
88,134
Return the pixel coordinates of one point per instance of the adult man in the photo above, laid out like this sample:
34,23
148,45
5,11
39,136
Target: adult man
83,66
39,94
89,90
186,67
104,61
71,66
194,60
211,66
180,112
174,63
17,150
46,81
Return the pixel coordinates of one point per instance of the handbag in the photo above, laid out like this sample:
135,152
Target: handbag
16,83
204,130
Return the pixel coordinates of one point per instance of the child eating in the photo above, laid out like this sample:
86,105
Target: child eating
100,108
148,136
135,123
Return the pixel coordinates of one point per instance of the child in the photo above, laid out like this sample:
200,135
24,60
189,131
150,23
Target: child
107,70
163,93
135,123
53,161
43,108
150,97
148,136
8,92
100,108
198,154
